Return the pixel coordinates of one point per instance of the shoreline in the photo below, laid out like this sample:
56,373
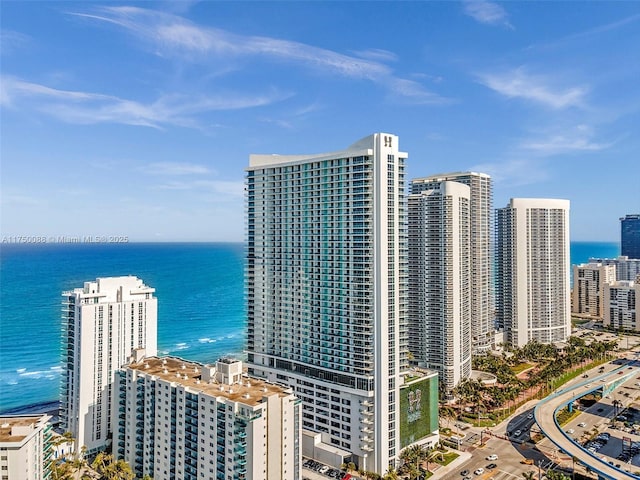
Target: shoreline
51,407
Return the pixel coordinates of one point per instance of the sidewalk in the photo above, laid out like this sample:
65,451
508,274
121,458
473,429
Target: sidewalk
455,465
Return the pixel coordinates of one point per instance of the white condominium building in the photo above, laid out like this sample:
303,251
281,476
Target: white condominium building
622,305
26,451
532,258
179,419
326,267
102,324
627,269
439,280
481,232
589,280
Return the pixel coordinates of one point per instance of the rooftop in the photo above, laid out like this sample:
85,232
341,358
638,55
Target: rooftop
250,391
16,429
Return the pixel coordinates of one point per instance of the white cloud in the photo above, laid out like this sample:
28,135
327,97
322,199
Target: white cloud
516,172
520,84
377,54
90,108
175,168
11,41
223,189
568,140
489,13
171,35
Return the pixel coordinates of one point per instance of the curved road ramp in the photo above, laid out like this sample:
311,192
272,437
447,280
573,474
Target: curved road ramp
545,416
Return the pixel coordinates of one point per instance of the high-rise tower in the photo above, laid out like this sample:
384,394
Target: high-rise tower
102,323
532,258
630,236
481,220
439,280
326,277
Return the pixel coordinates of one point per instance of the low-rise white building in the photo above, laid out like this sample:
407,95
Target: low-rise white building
179,419
25,447
622,304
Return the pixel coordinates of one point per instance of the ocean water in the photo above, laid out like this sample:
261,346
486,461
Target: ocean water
200,293
200,290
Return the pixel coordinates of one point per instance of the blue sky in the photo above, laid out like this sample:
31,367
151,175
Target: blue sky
138,119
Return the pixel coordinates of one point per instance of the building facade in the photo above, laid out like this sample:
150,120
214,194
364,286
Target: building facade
532,277
589,280
439,280
26,451
179,419
627,269
630,236
622,305
481,233
102,323
326,290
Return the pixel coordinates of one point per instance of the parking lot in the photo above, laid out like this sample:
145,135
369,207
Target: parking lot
313,470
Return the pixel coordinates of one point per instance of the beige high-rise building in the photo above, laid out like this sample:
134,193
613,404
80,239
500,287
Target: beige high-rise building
589,280
532,257
103,323
26,451
180,419
481,250
622,305
439,280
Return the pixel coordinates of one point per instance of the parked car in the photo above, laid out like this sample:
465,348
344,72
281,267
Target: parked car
491,466
492,457
464,473
582,424
479,471
527,461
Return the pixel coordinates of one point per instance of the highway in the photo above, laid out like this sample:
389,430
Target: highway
545,416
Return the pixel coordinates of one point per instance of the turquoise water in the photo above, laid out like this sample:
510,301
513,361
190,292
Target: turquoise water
200,294
200,304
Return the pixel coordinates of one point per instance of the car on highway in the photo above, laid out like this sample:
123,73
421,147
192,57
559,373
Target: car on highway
479,471
492,457
491,466
517,433
530,416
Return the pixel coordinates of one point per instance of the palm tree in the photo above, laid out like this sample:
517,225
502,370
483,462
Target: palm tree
392,474
110,469
530,475
433,455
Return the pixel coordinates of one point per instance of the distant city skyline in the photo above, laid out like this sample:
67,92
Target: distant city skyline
138,120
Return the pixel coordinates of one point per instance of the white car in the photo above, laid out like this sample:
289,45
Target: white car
492,457
530,416
479,471
582,424
517,433
570,431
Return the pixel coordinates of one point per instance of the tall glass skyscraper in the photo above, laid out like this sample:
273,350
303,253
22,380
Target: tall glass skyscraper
630,236
326,290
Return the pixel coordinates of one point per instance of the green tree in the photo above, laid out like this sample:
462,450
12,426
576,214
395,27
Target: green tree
110,469
530,475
